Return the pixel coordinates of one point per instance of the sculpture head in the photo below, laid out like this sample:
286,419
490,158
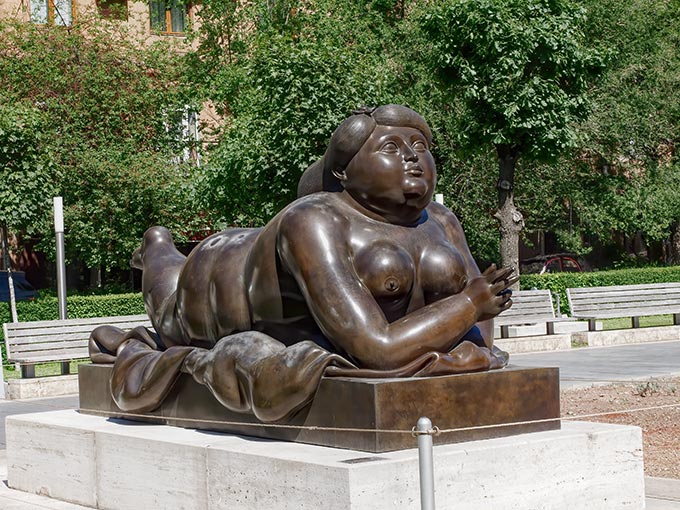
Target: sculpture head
381,157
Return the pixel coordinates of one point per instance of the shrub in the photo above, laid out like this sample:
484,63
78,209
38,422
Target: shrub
47,308
560,282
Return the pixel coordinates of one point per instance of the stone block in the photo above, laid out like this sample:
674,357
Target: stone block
53,454
583,465
128,454
628,336
533,343
41,387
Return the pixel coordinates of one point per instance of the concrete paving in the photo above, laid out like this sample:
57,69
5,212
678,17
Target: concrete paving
578,367
10,407
586,366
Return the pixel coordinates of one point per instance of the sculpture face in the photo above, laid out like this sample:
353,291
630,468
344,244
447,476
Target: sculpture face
393,174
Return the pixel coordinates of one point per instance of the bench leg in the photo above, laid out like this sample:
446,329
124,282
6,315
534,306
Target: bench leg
636,322
505,332
676,319
27,371
65,368
592,326
550,328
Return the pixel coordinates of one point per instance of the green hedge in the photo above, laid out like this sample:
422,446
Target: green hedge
47,308
559,282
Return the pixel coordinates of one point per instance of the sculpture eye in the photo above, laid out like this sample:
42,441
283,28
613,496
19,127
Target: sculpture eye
419,146
389,148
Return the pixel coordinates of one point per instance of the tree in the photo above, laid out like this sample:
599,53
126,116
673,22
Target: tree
26,176
283,85
633,131
109,106
522,69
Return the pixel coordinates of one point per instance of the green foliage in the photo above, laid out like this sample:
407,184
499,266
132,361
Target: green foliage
637,106
286,85
468,185
26,171
47,307
521,66
559,282
100,104
626,175
127,194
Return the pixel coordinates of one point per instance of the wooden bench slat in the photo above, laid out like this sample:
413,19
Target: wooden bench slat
75,330
57,350
35,342
528,307
614,313
628,296
47,357
16,348
76,322
628,306
618,301
633,287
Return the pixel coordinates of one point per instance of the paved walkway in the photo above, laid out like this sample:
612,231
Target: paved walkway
578,367
595,365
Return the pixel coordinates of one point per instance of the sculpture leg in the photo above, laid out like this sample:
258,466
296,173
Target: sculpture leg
161,264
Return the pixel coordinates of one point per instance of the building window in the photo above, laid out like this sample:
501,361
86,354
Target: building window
53,12
183,128
168,17
113,9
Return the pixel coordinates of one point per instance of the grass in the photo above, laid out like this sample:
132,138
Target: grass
645,322
41,370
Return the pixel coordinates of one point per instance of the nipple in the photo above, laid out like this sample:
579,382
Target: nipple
391,284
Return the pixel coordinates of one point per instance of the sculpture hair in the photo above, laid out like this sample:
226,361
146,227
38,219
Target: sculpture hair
349,137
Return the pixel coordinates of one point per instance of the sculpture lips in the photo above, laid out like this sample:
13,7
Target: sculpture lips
414,171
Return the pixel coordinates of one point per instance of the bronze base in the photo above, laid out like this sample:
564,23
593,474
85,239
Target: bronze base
360,413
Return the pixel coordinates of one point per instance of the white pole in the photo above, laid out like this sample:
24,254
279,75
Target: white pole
61,264
439,198
426,463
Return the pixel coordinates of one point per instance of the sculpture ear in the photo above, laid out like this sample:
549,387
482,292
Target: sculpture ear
340,174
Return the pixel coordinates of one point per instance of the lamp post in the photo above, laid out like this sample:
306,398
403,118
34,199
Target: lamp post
61,264
61,267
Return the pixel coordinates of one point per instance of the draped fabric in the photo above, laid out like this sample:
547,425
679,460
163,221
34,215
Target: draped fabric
250,372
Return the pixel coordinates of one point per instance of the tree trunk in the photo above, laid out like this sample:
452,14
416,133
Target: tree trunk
10,280
674,245
510,219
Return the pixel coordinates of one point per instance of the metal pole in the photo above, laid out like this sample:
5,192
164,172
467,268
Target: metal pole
10,279
61,264
426,464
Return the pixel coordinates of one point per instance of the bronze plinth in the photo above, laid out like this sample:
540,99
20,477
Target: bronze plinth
505,396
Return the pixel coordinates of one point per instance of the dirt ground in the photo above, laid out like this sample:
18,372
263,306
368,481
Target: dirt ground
661,426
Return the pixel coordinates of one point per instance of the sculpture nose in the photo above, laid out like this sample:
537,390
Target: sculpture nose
410,154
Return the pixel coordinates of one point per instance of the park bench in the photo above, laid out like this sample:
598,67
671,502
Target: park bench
529,307
31,343
634,301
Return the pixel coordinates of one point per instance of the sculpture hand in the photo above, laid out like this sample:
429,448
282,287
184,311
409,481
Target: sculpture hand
490,292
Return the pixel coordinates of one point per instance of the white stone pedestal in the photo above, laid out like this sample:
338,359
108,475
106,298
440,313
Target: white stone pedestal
121,465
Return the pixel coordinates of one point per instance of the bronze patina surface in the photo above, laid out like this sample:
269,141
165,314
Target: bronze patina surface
510,395
362,276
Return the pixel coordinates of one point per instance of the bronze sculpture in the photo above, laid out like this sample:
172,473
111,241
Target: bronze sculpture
362,275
